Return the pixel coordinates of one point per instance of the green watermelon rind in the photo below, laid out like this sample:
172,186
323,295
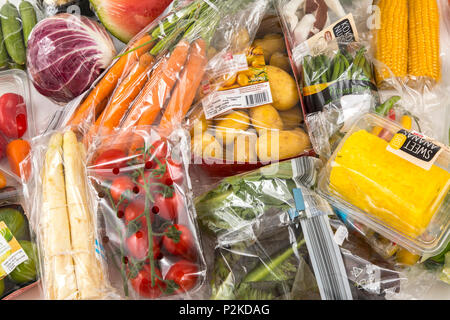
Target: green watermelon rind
122,35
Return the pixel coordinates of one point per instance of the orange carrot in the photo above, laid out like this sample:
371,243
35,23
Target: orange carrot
124,95
17,151
186,89
106,86
157,90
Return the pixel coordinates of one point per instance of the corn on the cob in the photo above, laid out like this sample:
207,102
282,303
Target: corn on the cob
424,60
397,192
392,38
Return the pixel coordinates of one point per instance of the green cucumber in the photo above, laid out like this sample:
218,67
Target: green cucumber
29,19
3,54
12,33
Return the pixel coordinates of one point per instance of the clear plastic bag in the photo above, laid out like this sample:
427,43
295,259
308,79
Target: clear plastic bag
144,198
250,114
62,211
359,179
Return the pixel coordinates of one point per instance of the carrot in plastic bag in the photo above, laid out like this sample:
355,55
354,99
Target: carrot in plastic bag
106,86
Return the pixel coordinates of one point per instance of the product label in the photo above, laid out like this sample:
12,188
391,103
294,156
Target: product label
340,32
414,148
238,81
11,253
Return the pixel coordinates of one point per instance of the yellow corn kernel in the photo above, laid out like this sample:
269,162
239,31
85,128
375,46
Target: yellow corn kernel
392,38
423,56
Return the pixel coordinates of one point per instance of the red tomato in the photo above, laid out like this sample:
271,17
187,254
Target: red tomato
137,245
122,187
142,283
174,173
13,115
184,246
148,181
134,210
3,145
109,163
167,208
185,274
159,149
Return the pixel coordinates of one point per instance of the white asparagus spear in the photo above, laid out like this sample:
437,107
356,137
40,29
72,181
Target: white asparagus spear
59,274
88,270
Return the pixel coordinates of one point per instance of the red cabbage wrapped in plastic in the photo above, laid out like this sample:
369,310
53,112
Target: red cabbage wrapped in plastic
66,53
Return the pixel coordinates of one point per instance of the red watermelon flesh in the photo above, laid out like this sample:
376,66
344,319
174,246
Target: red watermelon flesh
125,18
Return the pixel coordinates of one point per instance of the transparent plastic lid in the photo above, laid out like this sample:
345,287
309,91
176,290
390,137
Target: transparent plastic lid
16,114
395,181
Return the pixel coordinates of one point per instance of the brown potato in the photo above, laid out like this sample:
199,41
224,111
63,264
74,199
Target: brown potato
265,117
230,125
244,148
292,118
280,60
283,88
271,43
206,146
279,145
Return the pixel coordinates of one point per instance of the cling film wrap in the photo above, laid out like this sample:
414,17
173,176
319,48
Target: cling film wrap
373,176
148,228
71,265
17,18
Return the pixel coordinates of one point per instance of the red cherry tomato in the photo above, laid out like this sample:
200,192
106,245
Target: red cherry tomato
173,174
159,149
149,181
185,274
109,163
122,187
137,245
167,207
184,246
134,210
142,283
3,145
13,115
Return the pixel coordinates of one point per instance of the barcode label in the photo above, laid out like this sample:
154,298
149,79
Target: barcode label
257,99
326,259
304,171
220,102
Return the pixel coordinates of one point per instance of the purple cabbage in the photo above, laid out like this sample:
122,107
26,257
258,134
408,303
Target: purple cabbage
66,53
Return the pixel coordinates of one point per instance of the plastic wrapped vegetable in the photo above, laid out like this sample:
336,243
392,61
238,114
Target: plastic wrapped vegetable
377,178
70,254
65,63
150,235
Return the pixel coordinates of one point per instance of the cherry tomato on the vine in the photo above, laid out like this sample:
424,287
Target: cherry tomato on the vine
134,210
142,283
109,163
137,245
167,207
173,174
185,274
122,187
184,246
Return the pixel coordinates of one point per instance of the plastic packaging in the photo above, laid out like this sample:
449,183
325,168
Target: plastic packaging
17,124
374,174
64,219
18,17
251,114
144,198
304,19
22,269
53,7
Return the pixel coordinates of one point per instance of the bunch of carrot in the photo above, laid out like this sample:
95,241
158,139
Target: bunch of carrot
158,75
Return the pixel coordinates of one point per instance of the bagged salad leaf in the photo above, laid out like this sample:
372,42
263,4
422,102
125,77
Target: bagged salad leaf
148,226
18,255
71,261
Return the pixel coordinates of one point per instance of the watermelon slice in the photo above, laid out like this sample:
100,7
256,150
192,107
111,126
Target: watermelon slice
125,18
